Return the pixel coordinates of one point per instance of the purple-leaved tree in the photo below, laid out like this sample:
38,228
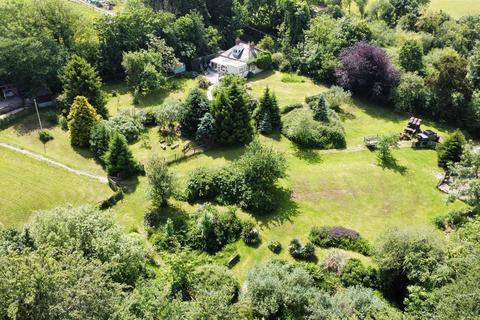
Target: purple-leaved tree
366,70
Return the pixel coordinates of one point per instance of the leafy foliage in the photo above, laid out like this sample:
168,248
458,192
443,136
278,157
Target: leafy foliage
339,237
298,251
267,114
451,150
119,159
161,182
194,109
248,182
367,70
231,115
81,121
300,127
79,78
212,230
411,56
100,140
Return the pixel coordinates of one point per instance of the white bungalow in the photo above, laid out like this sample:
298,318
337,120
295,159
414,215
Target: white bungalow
236,60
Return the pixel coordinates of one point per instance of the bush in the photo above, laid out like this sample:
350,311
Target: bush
128,125
203,82
250,234
292,78
300,127
354,273
202,185
161,182
44,136
249,182
451,150
298,251
81,120
264,61
291,107
274,246
212,230
100,140
62,121
119,159
279,61
339,237
112,200
456,218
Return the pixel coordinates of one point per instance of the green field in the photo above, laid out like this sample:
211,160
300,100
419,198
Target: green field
332,187
456,8
24,134
27,185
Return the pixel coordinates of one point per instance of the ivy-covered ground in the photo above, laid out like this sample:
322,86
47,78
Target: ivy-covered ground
335,187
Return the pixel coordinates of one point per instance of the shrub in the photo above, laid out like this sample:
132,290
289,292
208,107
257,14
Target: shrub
203,82
100,140
127,124
250,234
202,185
291,107
339,237
206,129
112,200
44,136
194,108
298,251
292,78
62,121
279,61
248,182
300,127
264,61
451,150
161,182
212,230
456,218
274,246
354,273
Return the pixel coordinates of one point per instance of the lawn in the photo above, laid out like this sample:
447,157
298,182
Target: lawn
24,134
122,98
27,185
84,11
286,92
345,188
456,8
339,187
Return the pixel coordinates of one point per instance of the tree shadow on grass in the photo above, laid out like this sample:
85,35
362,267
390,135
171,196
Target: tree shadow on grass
286,210
129,185
29,123
392,164
309,155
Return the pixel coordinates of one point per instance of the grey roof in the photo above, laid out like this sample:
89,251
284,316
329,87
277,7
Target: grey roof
242,51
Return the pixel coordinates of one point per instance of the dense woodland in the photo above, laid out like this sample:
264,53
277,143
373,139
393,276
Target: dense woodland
77,263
